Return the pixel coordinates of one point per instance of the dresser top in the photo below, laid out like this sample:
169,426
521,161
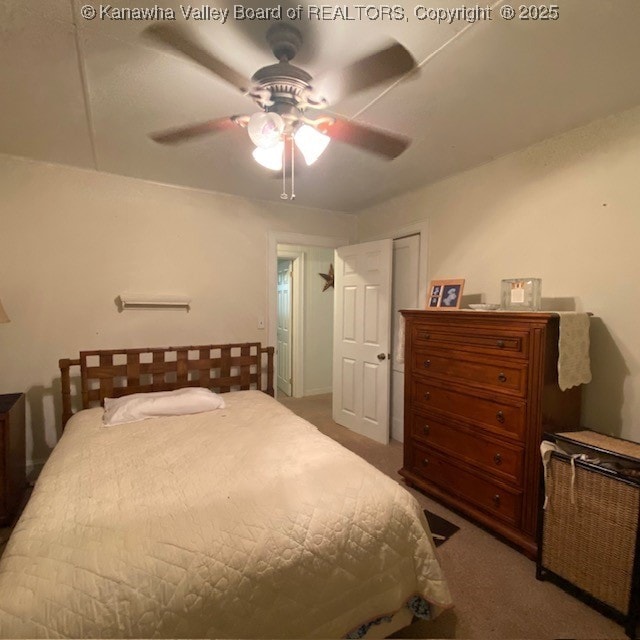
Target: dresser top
466,313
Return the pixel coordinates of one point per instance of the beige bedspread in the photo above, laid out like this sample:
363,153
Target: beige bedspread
244,522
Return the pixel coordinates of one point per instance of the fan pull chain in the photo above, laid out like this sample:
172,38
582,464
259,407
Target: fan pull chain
284,195
293,173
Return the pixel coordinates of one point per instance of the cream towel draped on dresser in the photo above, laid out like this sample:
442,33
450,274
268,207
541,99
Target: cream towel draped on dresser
573,350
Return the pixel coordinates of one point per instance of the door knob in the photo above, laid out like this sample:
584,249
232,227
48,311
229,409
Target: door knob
381,356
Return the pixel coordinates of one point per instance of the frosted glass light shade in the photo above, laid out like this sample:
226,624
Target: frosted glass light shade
3,314
271,157
265,129
311,143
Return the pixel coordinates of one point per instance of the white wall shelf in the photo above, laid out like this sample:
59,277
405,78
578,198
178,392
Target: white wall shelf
145,301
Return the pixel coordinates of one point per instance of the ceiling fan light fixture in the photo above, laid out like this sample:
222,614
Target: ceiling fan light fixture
311,143
265,129
283,92
270,157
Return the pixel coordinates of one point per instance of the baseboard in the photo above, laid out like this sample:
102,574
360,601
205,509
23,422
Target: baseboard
318,392
397,429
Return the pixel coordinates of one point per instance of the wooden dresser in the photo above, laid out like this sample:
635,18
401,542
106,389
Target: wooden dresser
480,390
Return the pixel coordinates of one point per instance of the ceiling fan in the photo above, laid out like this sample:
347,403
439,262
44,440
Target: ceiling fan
285,95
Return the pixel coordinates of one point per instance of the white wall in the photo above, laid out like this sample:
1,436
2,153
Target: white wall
566,210
72,240
318,319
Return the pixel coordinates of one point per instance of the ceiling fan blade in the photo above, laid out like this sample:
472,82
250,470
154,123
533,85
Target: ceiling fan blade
386,64
385,144
181,42
182,134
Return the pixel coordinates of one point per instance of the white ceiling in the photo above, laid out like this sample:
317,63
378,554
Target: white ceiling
88,93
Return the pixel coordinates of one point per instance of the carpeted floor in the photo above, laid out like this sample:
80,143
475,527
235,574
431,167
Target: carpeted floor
494,587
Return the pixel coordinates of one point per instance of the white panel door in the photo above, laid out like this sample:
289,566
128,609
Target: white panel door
285,291
361,338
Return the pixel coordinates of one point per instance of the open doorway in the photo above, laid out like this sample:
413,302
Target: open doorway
304,320
309,339
290,321
284,378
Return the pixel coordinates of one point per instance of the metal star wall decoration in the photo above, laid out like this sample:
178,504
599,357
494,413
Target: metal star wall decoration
328,277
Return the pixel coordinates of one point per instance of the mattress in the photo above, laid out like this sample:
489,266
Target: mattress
244,522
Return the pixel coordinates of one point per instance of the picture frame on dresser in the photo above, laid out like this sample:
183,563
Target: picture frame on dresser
445,294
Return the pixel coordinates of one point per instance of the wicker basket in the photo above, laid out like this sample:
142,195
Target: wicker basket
589,533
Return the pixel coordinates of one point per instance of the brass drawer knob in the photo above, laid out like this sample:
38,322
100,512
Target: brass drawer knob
427,364
500,416
502,377
496,500
426,429
500,343
427,395
425,461
497,458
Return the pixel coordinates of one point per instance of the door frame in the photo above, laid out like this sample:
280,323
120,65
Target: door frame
421,228
297,319
274,238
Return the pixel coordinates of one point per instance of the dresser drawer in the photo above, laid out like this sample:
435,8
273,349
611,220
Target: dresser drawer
500,416
488,454
496,342
510,377
491,497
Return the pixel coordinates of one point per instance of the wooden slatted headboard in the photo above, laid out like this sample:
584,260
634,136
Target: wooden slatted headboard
120,372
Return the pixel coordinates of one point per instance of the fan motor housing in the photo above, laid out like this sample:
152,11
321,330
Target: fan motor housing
290,114
284,83
285,40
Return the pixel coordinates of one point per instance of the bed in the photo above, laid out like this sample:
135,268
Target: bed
241,522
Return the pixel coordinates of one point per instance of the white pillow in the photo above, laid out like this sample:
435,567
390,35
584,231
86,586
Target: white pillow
140,406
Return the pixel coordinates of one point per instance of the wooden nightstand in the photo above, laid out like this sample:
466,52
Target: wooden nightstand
12,455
